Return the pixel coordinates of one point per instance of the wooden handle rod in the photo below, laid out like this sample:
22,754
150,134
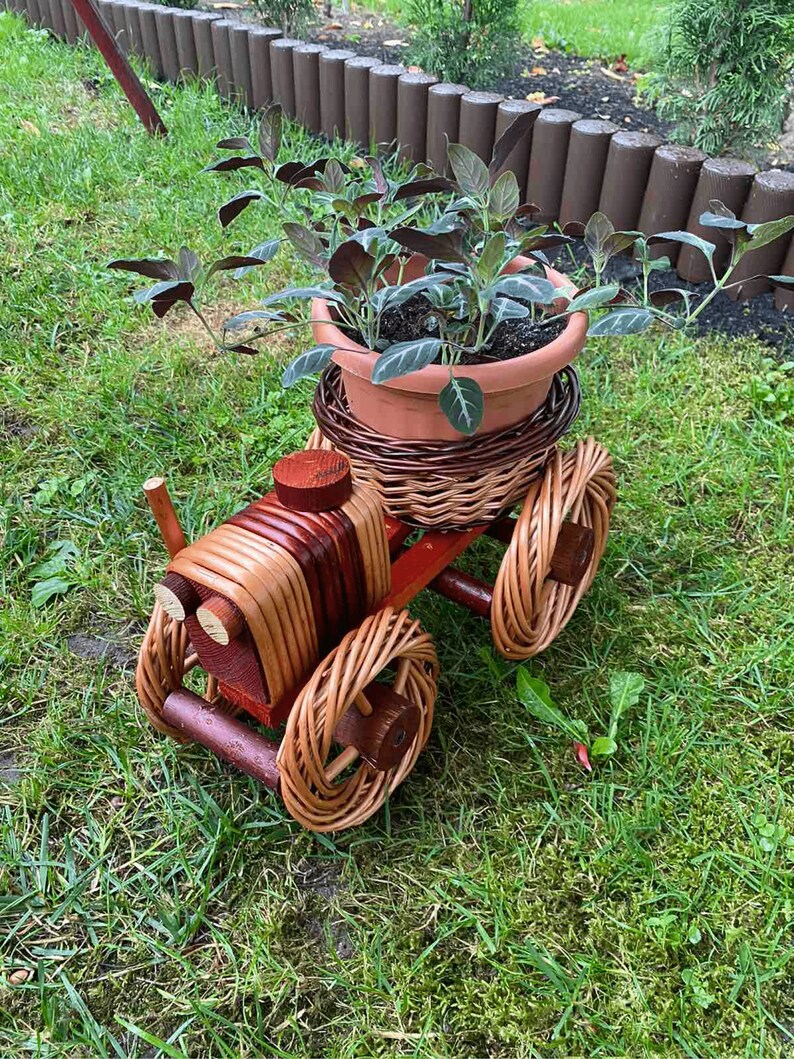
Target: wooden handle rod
130,85
165,515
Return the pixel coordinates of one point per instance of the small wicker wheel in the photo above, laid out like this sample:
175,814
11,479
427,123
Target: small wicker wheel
163,662
309,784
529,610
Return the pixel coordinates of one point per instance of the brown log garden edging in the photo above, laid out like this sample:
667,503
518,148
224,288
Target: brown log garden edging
569,166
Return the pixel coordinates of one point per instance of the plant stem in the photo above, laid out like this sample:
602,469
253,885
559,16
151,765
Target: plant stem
218,345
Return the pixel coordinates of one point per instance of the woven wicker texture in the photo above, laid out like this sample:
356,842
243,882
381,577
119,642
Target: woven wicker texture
163,662
312,791
243,561
529,610
446,485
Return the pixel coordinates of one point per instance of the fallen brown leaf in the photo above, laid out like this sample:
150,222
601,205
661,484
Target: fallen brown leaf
539,71
542,98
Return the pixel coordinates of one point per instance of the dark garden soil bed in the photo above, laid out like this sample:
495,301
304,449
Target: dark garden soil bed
539,74
757,318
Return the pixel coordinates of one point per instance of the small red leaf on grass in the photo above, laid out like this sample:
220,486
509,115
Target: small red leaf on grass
581,756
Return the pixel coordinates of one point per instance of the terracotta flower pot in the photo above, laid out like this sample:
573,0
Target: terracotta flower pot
408,407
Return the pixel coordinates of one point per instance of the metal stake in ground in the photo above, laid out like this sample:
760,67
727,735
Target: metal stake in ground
119,67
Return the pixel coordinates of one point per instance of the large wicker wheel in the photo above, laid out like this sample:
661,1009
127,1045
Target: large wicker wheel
312,791
529,610
163,662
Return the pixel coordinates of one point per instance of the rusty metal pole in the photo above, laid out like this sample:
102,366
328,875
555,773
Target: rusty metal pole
119,67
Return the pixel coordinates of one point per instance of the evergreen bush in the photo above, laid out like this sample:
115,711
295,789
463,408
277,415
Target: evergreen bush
291,16
471,42
722,73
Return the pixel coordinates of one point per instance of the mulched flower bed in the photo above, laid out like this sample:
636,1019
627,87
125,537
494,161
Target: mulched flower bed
586,85
539,74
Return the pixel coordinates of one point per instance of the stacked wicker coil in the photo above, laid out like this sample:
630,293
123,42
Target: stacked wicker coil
447,485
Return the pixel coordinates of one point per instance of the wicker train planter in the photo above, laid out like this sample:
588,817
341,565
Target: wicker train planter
296,608
443,484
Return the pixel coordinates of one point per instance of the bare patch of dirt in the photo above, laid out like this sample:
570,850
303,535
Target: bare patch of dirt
319,877
340,937
95,648
9,773
13,425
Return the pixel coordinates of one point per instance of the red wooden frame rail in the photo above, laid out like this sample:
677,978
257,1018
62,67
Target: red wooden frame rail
119,67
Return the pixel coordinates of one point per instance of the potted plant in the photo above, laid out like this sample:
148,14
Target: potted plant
442,328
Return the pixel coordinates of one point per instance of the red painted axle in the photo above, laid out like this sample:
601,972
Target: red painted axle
229,739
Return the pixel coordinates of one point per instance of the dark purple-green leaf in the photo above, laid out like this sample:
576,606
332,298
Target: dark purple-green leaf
381,184
236,205
510,139
162,296
427,186
228,165
188,264
596,232
270,131
470,171
308,243
620,241
169,290
446,246
298,174
263,252
351,265
235,143
241,347
151,267
227,264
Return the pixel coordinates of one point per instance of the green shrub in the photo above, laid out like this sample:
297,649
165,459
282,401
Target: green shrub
466,41
186,4
722,70
291,16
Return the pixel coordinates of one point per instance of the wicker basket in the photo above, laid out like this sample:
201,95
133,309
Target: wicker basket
446,485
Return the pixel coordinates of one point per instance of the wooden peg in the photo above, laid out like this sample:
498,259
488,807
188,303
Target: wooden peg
313,480
573,553
220,619
383,737
177,596
164,515
341,762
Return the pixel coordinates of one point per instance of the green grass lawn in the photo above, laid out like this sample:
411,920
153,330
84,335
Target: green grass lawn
507,904
602,29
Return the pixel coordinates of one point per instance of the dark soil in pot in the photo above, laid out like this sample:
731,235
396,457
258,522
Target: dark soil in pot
512,338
